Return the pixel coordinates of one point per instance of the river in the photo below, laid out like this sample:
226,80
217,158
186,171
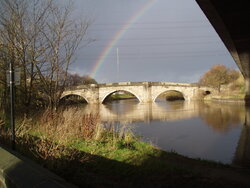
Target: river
198,129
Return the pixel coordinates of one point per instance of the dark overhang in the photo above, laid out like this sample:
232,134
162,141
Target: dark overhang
231,20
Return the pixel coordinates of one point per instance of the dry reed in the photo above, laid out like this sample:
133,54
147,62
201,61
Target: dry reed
48,137
67,125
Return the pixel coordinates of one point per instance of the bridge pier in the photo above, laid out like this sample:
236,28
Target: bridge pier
147,93
247,96
244,65
93,94
247,116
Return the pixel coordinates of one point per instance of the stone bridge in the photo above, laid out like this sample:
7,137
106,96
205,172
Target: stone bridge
144,91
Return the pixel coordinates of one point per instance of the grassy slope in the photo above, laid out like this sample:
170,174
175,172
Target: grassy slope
139,164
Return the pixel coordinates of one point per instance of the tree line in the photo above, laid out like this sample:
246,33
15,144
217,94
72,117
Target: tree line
40,38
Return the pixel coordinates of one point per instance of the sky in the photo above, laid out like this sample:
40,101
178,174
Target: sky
147,40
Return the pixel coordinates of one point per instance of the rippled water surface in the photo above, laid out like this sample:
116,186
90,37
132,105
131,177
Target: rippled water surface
208,130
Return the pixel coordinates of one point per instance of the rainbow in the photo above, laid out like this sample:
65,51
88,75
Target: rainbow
119,35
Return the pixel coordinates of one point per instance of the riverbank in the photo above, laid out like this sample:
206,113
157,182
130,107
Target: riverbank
227,96
138,164
88,154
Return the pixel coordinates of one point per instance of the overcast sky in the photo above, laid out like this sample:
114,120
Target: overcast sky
171,41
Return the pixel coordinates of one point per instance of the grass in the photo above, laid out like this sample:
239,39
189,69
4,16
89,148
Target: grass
227,96
88,154
120,150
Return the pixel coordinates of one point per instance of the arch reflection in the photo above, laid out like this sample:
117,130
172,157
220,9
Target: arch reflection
220,117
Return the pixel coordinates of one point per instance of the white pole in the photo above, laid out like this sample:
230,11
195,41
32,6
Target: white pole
117,63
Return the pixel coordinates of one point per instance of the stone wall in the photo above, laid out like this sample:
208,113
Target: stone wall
17,171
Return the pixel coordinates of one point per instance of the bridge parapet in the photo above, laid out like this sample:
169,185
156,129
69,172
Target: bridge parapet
122,84
173,84
87,86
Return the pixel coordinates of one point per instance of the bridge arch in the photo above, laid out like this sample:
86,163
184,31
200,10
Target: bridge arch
185,96
117,90
73,94
207,92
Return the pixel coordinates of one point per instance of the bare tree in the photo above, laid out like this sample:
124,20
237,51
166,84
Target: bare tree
63,36
21,41
41,38
76,80
3,83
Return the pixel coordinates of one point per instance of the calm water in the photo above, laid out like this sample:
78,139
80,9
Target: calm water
207,130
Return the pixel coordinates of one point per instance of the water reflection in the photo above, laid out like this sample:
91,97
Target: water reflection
209,130
242,154
222,117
